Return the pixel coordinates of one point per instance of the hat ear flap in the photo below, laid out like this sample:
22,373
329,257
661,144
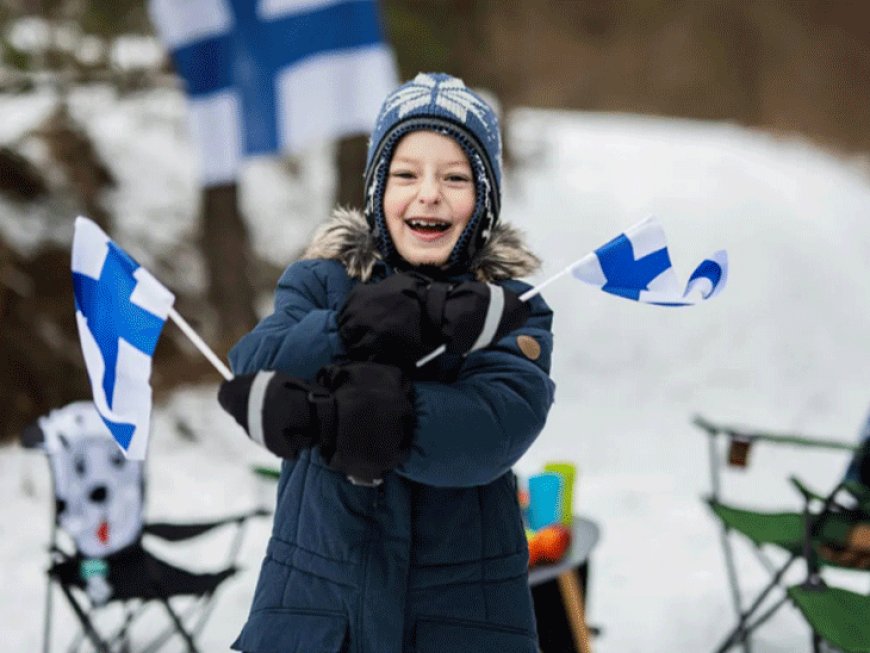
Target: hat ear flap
374,204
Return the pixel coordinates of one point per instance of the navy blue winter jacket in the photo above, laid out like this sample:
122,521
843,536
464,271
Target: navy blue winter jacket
435,559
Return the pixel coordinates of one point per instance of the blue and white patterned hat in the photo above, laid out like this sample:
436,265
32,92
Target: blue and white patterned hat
441,103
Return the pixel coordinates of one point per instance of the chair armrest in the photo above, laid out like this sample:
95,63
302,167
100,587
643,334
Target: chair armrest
175,532
807,493
705,425
794,439
830,500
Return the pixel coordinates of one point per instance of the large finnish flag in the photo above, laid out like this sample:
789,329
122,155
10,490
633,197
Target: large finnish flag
265,76
120,312
636,265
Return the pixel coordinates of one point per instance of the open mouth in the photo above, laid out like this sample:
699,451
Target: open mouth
427,225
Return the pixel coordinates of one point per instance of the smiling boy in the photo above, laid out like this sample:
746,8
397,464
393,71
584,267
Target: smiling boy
397,528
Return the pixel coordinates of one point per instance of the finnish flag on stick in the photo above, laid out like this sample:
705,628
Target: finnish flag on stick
120,311
636,265
265,76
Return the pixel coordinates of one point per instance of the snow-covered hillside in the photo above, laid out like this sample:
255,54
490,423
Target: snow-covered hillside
784,347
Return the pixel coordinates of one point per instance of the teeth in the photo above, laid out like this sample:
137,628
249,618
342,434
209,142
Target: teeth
428,224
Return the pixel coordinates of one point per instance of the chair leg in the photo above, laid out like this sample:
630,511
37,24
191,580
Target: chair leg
46,624
87,625
741,632
120,638
735,588
205,608
732,570
191,645
157,643
767,615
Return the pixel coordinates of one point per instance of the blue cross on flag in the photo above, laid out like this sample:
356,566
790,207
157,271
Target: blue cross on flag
265,76
120,312
636,265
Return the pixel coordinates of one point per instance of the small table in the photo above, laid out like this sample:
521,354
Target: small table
584,536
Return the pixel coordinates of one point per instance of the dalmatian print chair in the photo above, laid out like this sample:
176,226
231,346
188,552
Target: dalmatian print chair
98,558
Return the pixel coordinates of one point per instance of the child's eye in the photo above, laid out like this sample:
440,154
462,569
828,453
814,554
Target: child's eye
402,174
458,178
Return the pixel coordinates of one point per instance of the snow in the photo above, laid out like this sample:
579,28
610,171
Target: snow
783,348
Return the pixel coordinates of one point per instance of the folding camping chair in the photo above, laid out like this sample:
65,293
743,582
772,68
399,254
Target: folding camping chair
827,525
98,560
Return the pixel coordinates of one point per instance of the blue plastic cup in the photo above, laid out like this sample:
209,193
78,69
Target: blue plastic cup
545,505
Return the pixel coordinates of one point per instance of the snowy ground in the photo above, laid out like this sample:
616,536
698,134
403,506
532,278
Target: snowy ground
784,348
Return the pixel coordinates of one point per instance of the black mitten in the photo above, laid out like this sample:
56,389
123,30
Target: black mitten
476,314
374,418
383,321
274,409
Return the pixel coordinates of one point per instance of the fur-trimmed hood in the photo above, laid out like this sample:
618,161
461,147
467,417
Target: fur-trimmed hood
346,238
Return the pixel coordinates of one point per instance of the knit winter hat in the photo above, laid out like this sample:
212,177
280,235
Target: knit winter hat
440,103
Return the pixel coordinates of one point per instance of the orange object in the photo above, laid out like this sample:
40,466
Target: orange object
555,541
549,544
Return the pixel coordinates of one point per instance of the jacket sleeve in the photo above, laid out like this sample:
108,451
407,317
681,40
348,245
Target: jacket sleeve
301,334
473,430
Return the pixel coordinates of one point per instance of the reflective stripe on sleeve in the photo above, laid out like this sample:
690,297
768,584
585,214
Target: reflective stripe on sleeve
256,399
493,316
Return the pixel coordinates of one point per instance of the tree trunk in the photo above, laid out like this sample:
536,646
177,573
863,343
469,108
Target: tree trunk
350,162
227,251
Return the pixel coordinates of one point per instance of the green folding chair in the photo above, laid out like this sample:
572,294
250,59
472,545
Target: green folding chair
827,519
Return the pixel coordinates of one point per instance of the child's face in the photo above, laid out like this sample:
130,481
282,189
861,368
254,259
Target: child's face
429,197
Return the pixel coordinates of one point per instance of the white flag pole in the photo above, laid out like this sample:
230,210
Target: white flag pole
200,344
531,292
526,296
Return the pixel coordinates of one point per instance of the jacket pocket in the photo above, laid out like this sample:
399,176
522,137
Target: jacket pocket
442,636
293,631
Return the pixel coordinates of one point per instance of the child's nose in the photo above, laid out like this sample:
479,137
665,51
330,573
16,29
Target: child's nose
430,190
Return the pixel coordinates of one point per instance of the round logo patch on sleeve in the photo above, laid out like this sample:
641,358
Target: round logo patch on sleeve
529,346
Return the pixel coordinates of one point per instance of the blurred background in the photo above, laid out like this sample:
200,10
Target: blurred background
742,125
789,66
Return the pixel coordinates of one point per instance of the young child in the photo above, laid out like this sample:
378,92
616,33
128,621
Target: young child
397,527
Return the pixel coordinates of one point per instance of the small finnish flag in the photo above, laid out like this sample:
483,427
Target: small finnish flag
636,265
120,311
267,76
